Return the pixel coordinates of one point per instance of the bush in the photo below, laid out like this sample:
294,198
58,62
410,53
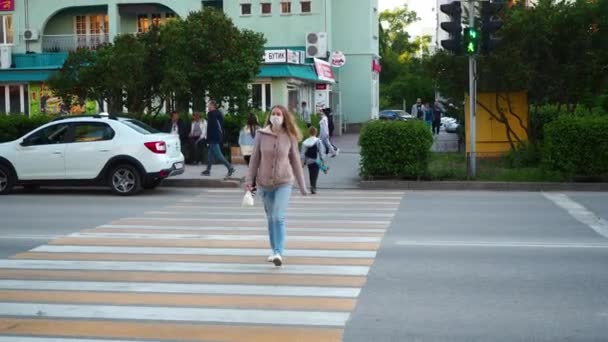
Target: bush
395,149
525,155
577,146
14,126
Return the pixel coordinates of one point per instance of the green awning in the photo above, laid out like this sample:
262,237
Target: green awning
16,75
303,72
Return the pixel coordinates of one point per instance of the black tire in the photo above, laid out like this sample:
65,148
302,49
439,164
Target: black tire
125,180
153,184
7,180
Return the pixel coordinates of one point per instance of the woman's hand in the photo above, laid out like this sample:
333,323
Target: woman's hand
248,187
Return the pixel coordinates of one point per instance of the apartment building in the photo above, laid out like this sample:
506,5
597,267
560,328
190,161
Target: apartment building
303,38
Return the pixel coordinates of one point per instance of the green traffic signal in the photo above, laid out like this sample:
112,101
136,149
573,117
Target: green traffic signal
471,40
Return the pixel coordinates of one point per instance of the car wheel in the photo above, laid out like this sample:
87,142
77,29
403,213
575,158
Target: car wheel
125,180
7,180
149,185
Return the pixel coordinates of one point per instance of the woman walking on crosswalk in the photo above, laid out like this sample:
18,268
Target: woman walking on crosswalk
274,164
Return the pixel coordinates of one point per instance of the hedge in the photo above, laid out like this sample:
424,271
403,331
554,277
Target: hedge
577,146
14,126
395,149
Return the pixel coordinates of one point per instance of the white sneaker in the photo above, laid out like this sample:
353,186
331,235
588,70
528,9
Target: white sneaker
277,260
270,258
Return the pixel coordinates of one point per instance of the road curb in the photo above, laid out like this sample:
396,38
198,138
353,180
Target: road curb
481,186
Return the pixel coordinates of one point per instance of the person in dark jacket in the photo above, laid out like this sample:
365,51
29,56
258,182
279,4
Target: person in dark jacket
178,127
215,137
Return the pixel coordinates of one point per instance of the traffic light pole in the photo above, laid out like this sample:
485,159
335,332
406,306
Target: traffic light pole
472,99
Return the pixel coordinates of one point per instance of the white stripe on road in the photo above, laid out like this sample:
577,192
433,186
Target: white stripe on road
580,213
492,244
306,209
205,251
278,317
297,201
181,267
164,236
243,229
329,192
143,287
260,213
249,220
337,198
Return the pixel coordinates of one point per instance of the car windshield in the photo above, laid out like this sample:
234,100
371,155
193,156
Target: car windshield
139,126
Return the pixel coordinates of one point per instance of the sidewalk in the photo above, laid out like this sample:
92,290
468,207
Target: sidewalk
343,173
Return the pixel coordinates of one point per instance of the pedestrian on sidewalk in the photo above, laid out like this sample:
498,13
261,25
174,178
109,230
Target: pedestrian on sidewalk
313,158
436,118
247,140
215,137
324,135
306,114
428,115
177,126
274,164
418,110
197,138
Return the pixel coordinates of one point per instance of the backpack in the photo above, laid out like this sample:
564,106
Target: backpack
312,151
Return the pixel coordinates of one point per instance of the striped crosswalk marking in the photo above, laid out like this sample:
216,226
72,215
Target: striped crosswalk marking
195,270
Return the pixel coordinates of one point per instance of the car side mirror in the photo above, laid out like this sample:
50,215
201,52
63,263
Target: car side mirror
23,143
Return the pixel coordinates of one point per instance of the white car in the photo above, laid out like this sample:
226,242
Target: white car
123,153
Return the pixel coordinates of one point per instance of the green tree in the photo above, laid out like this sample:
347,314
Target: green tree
74,80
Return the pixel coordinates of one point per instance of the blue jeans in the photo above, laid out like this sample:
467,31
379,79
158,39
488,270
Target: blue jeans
215,153
276,201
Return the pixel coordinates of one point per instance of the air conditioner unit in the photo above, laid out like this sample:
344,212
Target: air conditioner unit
31,34
316,45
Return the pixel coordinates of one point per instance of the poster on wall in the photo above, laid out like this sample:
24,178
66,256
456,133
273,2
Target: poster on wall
7,5
43,101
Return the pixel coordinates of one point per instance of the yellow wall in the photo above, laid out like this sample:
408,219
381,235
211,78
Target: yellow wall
492,134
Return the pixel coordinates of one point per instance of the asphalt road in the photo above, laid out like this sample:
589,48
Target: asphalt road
484,266
452,266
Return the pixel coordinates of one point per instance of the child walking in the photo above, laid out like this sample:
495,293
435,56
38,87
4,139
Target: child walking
313,157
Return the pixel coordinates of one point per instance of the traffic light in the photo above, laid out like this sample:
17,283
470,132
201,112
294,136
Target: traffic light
453,27
490,23
471,41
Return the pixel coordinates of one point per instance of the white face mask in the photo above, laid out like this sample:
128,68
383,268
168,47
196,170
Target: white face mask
276,121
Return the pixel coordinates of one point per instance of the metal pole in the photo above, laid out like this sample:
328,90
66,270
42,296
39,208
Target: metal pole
472,98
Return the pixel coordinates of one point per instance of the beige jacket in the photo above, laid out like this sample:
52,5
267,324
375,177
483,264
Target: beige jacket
275,160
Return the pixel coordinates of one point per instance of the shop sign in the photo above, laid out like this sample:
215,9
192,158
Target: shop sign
293,57
7,5
44,101
275,56
324,71
338,59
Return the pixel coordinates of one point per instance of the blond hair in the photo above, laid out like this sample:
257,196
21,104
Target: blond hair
289,123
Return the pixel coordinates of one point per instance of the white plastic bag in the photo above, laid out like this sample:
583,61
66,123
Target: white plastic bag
248,200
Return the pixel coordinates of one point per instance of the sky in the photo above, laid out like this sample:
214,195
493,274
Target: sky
424,9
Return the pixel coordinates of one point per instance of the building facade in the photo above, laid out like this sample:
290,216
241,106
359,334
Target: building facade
37,35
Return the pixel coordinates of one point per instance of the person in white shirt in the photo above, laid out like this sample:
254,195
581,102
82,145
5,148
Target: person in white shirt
324,135
197,138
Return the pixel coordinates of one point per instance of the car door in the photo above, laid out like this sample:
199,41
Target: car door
90,148
41,155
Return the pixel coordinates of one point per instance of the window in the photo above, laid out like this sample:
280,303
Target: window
169,16
306,6
285,7
266,8
54,134
6,29
245,9
143,23
156,19
139,127
89,132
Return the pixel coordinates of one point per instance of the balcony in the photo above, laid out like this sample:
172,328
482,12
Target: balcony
71,42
